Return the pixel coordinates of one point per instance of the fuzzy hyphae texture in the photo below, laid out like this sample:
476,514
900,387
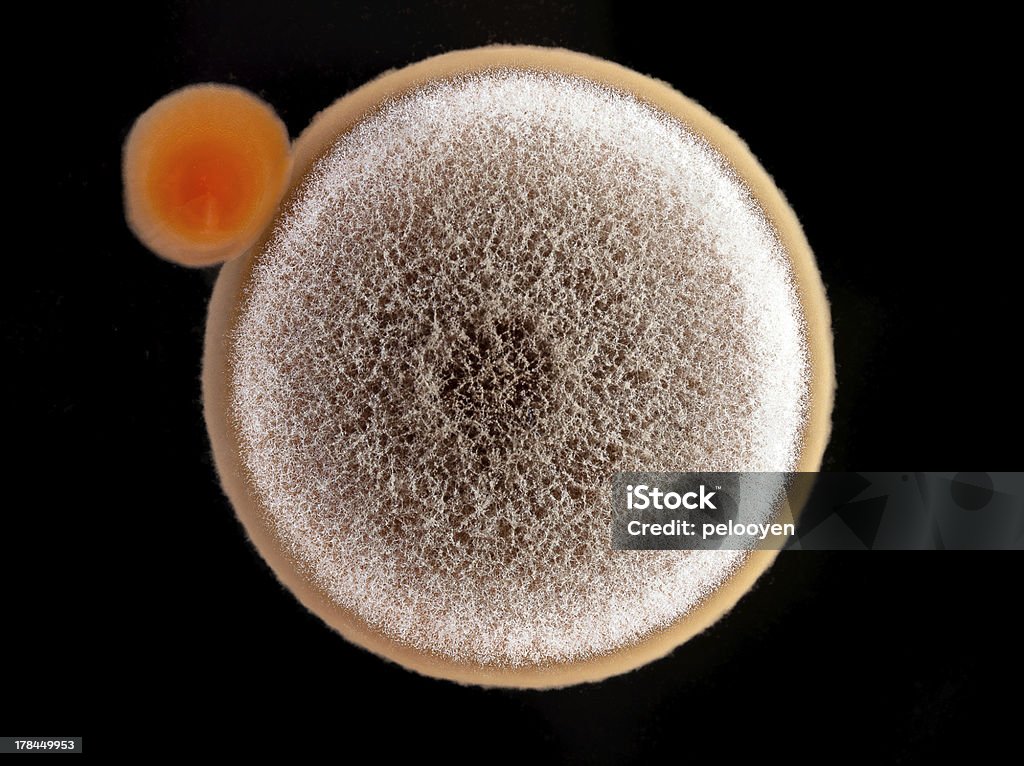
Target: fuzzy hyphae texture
486,298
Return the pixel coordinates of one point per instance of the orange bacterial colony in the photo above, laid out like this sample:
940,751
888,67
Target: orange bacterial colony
204,169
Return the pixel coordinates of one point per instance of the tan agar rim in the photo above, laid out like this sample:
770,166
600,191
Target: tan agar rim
225,305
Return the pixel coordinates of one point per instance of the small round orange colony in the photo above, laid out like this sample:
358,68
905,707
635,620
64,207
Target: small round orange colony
204,169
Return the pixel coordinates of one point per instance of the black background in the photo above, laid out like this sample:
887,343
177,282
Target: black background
135,612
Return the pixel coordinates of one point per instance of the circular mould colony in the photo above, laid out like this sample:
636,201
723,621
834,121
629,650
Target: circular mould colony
501,276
